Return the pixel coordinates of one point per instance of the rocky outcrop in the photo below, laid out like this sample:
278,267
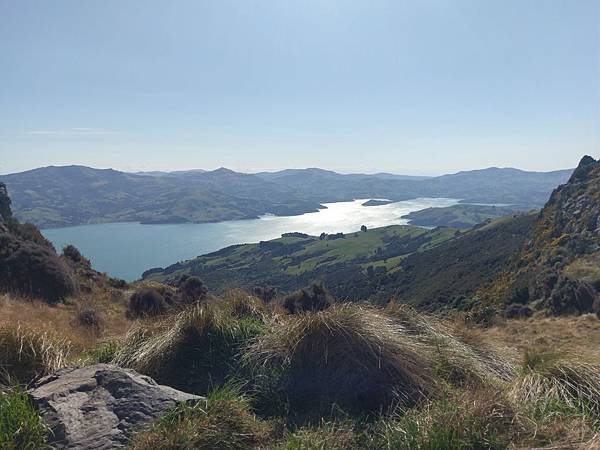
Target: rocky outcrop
100,406
567,230
5,211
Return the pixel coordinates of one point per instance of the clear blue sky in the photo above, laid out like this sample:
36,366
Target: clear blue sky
421,86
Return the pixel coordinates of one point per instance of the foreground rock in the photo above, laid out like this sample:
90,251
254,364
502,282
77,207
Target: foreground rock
99,406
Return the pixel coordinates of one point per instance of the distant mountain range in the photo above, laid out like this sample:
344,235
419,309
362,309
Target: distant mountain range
549,260
74,195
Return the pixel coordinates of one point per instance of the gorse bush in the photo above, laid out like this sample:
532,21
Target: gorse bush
146,302
224,421
193,350
73,254
192,289
87,316
33,270
21,427
347,355
265,293
314,298
26,355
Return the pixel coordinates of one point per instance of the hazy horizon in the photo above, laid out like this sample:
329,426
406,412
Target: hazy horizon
139,171
407,87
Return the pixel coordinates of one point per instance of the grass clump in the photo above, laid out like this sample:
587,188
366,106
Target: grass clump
549,382
472,420
455,360
193,350
225,421
348,355
102,353
26,355
327,436
21,428
239,304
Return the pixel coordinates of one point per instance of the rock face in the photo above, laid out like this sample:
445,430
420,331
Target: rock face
100,406
566,235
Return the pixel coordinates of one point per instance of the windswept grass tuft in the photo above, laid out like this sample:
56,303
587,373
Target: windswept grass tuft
224,421
21,427
26,355
480,419
193,350
348,355
240,304
549,380
455,360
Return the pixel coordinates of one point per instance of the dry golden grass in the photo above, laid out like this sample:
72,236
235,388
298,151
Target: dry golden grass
572,335
61,319
26,354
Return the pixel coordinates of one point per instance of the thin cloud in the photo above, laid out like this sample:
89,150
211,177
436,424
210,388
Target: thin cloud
71,131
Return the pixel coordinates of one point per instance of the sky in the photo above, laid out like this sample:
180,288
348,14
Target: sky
417,87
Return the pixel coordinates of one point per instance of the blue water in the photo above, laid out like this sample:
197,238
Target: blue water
125,250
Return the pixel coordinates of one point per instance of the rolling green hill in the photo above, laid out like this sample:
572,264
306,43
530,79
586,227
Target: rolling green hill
460,216
74,195
347,263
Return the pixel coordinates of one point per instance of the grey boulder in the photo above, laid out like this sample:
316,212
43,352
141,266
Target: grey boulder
100,406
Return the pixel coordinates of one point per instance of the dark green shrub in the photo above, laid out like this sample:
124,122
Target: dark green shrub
147,302
265,293
27,232
33,270
88,317
192,290
5,211
71,253
314,298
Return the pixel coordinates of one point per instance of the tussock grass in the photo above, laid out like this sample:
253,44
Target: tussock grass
455,360
224,421
21,428
193,350
475,419
348,355
327,436
239,304
549,380
26,355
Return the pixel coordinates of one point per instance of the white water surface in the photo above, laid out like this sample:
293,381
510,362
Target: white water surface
125,250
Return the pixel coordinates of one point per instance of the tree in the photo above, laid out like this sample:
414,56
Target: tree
363,228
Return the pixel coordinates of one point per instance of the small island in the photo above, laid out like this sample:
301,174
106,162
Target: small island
377,202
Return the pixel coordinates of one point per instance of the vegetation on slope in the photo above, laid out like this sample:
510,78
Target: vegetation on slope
73,195
555,269
348,264
460,216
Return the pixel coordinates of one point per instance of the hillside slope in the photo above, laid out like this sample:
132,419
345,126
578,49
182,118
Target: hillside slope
72,195
558,268
350,265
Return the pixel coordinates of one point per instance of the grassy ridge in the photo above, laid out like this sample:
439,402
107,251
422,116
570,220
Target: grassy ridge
293,261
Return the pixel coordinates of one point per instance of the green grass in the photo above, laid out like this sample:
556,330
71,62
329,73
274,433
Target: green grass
21,428
225,421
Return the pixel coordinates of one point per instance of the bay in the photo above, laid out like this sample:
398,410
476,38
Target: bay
126,250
